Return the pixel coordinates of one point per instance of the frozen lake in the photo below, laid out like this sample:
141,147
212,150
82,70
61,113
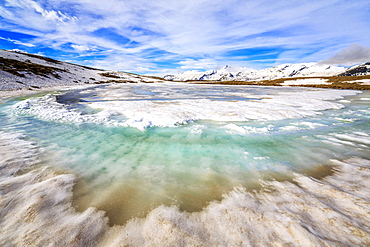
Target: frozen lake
207,159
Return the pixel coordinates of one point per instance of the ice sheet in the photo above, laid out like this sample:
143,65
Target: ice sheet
169,105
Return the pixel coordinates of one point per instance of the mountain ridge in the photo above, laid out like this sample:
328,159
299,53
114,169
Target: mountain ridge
229,73
358,70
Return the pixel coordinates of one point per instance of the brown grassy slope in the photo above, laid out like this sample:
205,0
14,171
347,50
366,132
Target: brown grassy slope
50,60
337,82
347,78
15,67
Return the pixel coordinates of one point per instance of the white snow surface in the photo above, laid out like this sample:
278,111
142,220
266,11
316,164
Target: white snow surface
363,81
168,105
308,81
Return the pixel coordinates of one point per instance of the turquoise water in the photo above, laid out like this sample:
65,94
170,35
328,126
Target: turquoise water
128,172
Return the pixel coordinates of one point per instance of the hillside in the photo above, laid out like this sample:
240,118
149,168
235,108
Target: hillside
359,70
27,71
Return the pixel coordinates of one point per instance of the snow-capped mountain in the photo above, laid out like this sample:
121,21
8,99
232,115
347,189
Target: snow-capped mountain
358,70
229,73
27,71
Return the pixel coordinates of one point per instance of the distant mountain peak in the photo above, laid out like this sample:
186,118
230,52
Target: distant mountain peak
246,74
358,70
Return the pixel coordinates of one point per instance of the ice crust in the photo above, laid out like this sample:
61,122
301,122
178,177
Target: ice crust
175,104
36,210
36,201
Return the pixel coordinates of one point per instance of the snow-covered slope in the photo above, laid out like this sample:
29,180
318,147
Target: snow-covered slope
358,70
228,73
27,71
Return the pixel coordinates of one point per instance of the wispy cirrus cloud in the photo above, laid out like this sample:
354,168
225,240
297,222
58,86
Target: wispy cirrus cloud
201,64
17,42
194,34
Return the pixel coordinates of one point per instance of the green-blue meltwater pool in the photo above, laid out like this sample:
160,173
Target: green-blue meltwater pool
136,148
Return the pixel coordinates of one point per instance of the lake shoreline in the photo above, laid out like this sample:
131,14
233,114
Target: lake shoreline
7,94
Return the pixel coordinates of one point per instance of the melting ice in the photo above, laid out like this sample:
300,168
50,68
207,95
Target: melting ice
188,158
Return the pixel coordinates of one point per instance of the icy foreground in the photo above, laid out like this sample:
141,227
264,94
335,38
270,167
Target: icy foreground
149,150
36,210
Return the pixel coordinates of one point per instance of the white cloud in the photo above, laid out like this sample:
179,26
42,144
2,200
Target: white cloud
80,48
29,16
201,64
350,55
121,62
17,42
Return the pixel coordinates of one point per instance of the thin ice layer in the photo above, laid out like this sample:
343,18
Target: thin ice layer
173,104
36,210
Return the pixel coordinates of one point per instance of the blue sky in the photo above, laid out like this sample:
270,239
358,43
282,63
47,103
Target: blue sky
169,36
